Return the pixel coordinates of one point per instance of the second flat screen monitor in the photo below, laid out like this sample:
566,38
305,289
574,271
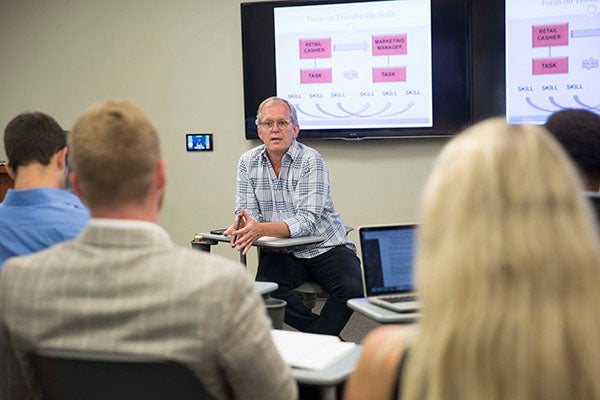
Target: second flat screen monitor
552,58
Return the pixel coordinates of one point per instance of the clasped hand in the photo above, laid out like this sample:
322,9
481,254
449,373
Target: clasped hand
244,232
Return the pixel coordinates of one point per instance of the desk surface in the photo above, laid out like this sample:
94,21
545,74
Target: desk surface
263,288
272,242
336,373
380,314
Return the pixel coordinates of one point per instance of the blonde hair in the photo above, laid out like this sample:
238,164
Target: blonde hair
508,273
114,151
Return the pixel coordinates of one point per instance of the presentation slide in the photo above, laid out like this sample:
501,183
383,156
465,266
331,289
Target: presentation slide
356,65
396,254
397,258
552,56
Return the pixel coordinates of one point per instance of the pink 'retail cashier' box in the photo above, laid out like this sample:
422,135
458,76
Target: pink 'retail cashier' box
550,35
315,48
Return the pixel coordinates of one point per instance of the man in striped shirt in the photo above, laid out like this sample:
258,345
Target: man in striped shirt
283,191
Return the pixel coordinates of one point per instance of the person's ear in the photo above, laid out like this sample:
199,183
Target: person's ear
161,174
10,171
61,158
259,130
75,185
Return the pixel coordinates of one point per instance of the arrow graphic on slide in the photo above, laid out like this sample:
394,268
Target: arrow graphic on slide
351,46
359,114
555,103
578,101
356,114
408,107
327,113
301,111
552,101
528,100
585,32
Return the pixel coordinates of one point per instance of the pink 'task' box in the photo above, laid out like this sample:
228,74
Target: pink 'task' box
315,75
386,45
550,35
389,74
557,65
315,48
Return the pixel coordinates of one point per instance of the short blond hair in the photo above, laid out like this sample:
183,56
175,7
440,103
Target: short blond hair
508,273
114,151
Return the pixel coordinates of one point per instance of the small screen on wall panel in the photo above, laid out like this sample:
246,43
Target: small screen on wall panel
552,58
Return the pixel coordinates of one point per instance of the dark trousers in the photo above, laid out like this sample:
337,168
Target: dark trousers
337,270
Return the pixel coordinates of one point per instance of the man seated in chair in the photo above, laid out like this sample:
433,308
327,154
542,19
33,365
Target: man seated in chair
38,212
283,191
122,286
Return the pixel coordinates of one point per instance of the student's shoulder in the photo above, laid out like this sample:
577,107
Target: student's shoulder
253,153
377,369
19,268
39,258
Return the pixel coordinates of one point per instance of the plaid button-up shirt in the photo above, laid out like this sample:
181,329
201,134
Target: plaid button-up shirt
300,196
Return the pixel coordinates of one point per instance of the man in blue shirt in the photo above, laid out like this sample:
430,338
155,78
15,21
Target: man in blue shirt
283,191
38,212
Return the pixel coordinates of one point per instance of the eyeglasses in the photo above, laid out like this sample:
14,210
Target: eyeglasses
281,124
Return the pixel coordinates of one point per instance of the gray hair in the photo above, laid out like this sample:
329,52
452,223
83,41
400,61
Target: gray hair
274,99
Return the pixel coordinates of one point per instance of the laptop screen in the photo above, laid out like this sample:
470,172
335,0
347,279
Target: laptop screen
388,258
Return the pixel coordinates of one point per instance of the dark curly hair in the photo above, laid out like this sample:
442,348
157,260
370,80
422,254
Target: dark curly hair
578,131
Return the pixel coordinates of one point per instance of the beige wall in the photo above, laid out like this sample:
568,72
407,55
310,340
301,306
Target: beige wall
181,62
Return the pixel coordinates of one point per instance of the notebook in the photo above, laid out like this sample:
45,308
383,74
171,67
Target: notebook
387,253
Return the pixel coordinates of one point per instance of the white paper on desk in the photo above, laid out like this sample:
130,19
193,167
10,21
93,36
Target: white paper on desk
310,350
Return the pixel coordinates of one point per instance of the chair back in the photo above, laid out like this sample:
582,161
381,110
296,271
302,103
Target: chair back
69,375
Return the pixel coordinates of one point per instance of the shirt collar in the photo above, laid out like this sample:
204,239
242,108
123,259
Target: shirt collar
36,196
129,224
293,152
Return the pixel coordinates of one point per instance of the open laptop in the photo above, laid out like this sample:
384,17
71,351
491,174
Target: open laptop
387,253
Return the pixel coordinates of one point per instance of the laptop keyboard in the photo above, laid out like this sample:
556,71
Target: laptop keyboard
399,298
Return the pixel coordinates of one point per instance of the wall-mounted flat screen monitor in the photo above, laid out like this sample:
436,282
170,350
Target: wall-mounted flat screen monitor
360,69
552,58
